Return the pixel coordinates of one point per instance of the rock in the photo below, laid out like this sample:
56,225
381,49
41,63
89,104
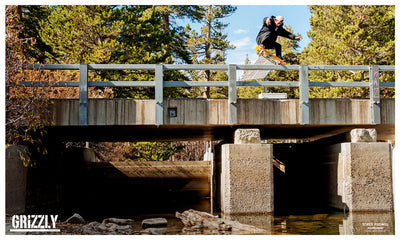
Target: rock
247,136
107,227
119,221
88,230
154,223
125,228
156,231
75,219
198,227
111,226
101,227
363,135
92,224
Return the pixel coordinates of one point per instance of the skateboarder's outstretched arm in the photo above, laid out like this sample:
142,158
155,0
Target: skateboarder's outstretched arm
284,33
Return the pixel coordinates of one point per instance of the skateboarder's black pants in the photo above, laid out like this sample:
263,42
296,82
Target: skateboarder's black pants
273,45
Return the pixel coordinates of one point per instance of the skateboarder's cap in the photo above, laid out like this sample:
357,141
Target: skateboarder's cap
279,18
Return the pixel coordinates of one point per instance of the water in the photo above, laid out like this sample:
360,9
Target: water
316,224
335,224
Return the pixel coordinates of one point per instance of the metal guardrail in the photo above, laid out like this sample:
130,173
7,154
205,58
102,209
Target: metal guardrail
303,84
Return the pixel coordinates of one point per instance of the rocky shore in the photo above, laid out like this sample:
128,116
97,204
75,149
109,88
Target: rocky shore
113,226
190,222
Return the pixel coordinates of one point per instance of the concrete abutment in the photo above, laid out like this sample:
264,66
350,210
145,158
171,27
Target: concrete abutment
360,177
354,176
246,175
16,179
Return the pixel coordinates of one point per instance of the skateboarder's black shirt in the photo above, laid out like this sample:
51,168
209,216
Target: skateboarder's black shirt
269,34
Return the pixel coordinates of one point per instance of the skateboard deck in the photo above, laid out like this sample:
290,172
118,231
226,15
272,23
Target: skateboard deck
269,56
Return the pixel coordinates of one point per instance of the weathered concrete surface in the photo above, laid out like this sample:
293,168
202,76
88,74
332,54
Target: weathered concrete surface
247,136
16,179
247,179
363,135
208,119
360,177
215,111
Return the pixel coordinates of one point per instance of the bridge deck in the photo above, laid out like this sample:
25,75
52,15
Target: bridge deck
188,119
215,112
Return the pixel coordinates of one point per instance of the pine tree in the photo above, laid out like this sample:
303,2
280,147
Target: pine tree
31,16
147,40
349,35
168,16
209,46
81,34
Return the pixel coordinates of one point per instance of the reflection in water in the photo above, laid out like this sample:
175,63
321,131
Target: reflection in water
368,224
260,221
324,224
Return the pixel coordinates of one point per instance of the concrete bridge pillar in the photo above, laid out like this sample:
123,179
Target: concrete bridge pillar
361,174
16,179
246,175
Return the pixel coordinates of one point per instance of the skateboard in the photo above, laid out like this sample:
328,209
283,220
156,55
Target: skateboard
269,56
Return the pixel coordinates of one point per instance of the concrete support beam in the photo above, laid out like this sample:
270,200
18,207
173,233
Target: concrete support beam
361,177
247,177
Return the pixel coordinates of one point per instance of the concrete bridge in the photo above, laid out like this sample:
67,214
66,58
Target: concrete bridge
242,179
173,119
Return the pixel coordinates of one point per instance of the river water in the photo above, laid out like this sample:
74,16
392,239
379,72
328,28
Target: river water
334,223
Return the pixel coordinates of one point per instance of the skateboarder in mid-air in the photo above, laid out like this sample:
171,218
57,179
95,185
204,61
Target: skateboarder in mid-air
271,29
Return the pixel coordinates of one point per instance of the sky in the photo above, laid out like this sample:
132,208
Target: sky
246,22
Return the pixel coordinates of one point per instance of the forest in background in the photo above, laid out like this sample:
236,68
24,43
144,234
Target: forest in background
340,35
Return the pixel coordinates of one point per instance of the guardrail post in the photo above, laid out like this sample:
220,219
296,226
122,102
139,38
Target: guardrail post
159,94
232,93
304,96
83,95
374,95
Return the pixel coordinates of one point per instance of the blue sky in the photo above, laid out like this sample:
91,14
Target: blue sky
245,23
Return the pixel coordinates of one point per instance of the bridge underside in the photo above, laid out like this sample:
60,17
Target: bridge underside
119,133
